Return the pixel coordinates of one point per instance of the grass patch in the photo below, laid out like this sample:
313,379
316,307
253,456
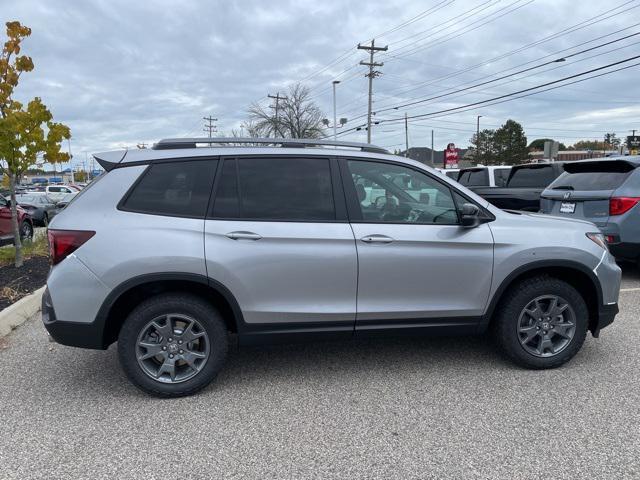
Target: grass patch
39,247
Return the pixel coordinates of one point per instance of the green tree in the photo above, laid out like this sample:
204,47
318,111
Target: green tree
612,141
589,145
510,143
25,132
538,144
484,147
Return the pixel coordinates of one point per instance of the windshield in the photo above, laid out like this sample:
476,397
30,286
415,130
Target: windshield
592,176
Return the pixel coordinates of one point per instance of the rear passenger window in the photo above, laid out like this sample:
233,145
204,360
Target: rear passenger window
295,189
179,188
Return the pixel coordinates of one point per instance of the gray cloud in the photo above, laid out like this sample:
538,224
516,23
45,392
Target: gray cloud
120,72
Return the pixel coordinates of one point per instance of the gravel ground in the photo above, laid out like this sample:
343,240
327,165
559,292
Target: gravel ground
395,408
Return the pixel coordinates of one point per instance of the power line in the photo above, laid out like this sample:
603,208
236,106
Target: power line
573,28
500,99
562,59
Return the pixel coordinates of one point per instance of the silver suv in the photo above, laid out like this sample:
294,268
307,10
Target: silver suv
177,247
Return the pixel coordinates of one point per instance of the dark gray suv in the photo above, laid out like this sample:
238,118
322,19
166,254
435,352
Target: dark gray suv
605,192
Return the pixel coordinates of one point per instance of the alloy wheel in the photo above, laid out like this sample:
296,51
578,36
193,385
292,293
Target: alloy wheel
172,348
546,326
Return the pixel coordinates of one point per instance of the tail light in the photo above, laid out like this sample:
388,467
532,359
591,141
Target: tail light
620,205
62,243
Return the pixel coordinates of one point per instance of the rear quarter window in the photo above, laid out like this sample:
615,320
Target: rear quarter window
536,176
474,178
179,189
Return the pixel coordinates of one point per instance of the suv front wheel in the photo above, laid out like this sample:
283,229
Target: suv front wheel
173,345
542,323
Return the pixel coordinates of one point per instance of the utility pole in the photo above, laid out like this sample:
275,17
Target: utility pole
210,127
432,147
478,138
372,74
406,135
335,118
277,97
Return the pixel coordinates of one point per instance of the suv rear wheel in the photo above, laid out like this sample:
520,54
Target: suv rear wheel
173,345
542,323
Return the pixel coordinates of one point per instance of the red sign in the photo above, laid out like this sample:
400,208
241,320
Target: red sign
451,156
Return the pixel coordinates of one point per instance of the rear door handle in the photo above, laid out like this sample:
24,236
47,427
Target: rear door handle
376,239
243,236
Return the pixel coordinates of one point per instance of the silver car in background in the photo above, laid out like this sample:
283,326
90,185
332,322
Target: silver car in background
178,246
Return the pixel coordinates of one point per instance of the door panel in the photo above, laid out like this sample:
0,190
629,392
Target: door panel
427,271
283,272
415,261
278,239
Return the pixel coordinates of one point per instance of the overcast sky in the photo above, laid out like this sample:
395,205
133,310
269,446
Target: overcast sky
122,72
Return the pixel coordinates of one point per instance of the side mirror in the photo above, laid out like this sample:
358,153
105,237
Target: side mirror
470,215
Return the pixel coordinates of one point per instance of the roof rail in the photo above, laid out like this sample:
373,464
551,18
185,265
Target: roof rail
171,143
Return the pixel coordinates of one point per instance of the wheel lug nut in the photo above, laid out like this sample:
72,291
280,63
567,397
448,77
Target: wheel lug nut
164,348
180,342
171,355
537,328
170,339
181,352
544,332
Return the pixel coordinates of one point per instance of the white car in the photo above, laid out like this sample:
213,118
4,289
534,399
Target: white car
55,193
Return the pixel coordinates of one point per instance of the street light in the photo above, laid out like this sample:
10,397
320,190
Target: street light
343,121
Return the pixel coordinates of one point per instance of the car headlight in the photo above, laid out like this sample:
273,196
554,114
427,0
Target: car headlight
598,238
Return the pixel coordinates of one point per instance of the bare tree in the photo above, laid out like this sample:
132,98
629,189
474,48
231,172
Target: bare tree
298,117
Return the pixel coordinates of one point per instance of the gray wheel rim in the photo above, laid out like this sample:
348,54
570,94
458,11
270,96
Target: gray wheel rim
172,348
546,326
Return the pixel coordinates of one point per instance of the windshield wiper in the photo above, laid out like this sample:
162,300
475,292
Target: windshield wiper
563,187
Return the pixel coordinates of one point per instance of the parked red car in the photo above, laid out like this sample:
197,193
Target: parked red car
24,221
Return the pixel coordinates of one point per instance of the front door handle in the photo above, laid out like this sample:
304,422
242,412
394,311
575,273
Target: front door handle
243,236
376,239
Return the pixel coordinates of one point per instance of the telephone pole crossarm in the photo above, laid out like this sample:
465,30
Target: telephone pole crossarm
277,97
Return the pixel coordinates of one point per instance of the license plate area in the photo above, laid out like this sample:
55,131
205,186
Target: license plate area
567,207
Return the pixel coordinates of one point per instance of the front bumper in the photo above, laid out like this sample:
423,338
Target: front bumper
73,334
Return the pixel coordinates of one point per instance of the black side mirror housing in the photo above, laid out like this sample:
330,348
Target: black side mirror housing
470,215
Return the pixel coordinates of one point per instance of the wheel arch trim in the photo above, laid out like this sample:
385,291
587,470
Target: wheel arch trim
542,265
149,278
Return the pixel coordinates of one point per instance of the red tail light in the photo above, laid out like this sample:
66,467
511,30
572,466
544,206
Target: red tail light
62,243
620,205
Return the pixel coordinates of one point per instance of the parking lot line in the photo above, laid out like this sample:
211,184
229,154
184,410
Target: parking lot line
636,289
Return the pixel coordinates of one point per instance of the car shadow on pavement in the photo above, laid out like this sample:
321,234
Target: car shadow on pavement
325,362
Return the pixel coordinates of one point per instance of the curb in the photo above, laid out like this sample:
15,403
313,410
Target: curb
18,313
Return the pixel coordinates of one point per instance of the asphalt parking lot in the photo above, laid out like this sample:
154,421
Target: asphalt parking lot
387,408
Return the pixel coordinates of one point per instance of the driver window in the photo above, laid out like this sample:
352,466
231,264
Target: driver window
396,194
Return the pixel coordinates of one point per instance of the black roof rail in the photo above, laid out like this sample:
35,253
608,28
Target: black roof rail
172,143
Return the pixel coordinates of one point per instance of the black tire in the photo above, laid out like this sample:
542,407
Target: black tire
26,230
506,322
173,303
